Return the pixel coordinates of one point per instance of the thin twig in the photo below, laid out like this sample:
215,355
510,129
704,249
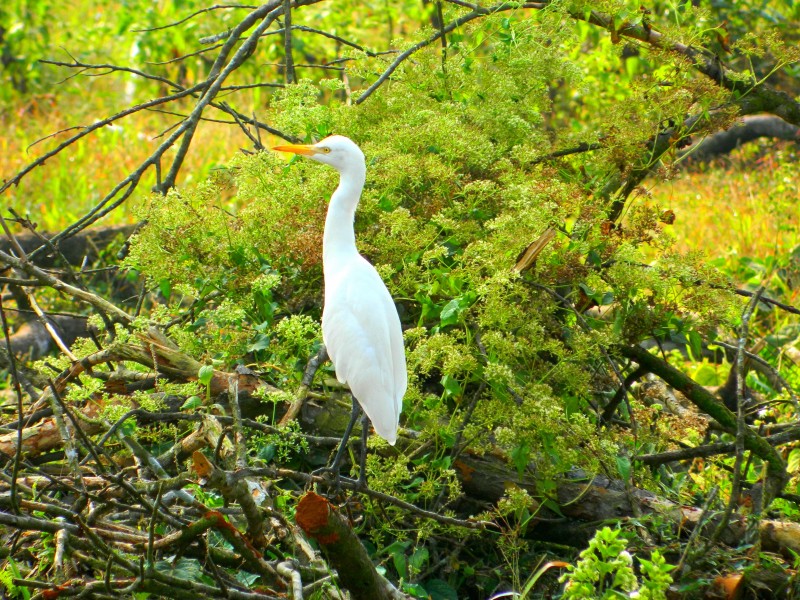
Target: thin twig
240,447
312,366
704,515
48,325
20,414
477,12
193,15
44,277
356,486
690,453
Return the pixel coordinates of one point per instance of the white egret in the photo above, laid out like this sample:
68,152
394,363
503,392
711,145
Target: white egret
360,325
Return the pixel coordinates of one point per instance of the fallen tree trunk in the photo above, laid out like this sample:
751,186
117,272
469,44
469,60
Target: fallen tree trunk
746,130
84,246
584,504
588,503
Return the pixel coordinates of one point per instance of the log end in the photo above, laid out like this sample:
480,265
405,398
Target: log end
314,518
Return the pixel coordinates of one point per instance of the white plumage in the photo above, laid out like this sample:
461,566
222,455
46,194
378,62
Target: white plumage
360,325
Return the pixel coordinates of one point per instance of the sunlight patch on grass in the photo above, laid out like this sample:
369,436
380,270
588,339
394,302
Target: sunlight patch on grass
746,209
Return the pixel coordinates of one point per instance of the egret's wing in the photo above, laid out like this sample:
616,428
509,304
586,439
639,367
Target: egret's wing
362,333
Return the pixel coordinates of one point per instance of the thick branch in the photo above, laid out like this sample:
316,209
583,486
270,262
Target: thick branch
708,403
748,129
752,96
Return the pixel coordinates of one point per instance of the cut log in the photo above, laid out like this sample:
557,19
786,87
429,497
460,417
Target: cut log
342,548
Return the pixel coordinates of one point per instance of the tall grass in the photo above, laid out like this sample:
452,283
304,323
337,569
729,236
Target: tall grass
745,205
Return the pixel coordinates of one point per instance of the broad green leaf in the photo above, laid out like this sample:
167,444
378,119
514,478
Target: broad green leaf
192,402
205,374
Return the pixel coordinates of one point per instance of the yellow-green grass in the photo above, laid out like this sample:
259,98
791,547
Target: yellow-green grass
71,183
747,208
743,214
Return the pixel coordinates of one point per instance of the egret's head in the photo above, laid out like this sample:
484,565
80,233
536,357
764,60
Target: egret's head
339,152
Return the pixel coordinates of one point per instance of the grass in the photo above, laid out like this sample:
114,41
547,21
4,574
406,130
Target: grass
741,212
71,183
746,206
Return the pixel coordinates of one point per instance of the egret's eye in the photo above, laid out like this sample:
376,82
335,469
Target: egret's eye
326,150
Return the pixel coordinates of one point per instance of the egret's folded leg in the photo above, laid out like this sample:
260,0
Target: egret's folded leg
343,445
362,462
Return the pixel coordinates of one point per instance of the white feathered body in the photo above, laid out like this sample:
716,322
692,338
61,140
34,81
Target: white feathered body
362,333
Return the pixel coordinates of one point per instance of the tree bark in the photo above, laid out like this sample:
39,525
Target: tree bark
86,245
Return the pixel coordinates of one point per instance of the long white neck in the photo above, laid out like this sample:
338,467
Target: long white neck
339,240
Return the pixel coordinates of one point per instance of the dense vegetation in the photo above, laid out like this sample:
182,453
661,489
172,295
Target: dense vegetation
554,260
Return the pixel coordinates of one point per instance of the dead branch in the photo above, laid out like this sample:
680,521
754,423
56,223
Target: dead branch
234,491
77,250
101,304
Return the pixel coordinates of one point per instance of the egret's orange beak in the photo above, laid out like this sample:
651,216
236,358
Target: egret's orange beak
303,149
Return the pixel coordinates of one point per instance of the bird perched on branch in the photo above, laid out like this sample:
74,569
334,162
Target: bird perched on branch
360,324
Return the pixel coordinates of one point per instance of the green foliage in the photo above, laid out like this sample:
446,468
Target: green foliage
280,446
605,570
118,34
7,576
451,199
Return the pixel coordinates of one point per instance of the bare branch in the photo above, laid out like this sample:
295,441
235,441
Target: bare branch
194,14
57,284
477,12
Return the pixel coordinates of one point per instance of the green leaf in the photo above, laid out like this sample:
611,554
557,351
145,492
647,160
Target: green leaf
205,374
572,406
594,258
553,506
400,564
453,309
385,203
267,453
624,467
520,456
165,287
450,312
619,322
416,590
451,386
184,568
260,342
696,344
419,558
128,428
707,375
246,578
192,402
